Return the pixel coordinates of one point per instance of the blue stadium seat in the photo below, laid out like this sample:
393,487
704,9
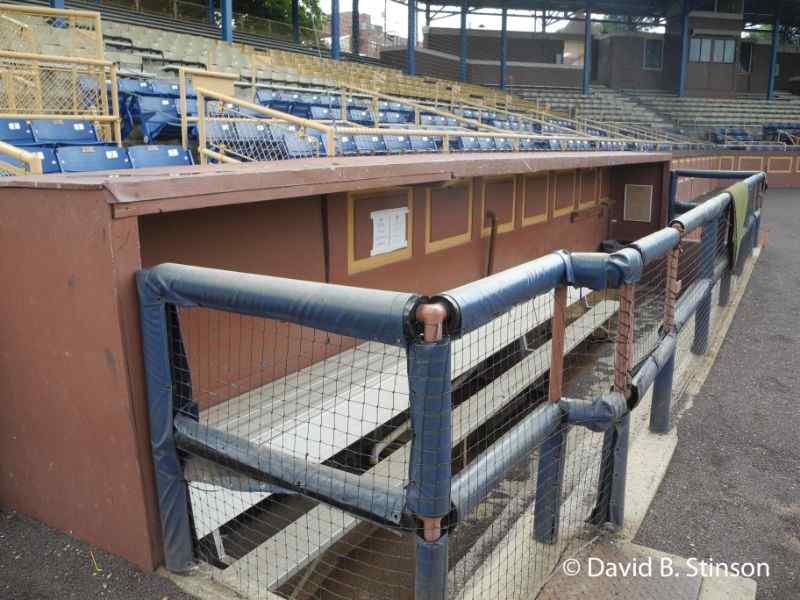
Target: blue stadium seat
465,143
370,144
58,132
16,132
360,116
275,99
318,142
451,122
157,117
486,144
503,144
391,117
392,106
46,153
397,144
168,89
422,143
83,159
321,113
135,86
527,145
260,141
325,100
357,103
159,156
300,108
346,145
426,120
299,147
556,145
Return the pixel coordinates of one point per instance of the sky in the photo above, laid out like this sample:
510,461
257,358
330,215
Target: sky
398,19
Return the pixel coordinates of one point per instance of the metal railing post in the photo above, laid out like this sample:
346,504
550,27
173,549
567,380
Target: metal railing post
610,506
662,386
725,280
429,469
550,472
702,318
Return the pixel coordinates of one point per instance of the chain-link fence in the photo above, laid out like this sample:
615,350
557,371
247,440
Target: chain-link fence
233,130
54,32
46,87
320,441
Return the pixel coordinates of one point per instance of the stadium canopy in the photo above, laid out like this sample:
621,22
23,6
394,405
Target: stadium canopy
755,11
777,13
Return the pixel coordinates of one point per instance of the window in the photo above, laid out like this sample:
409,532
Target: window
694,50
719,51
705,50
745,57
653,53
730,50
712,50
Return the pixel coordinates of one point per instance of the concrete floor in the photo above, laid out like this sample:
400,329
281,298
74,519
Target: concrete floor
732,490
40,563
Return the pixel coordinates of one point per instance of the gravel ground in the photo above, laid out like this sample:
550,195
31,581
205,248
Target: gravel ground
39,563
732,490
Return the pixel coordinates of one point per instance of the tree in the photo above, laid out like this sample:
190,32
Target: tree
628,23
281,10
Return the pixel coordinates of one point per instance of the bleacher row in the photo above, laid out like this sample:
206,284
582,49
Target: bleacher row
154,107
283,141
74,146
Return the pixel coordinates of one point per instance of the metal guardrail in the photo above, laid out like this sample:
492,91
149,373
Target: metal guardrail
495,416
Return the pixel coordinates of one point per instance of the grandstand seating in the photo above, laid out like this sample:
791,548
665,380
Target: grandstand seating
82,159
56,132
602,105
159,156
50,162
312,87
740,119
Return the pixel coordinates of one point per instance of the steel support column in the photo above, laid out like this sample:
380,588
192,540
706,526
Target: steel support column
684,47
226,7
462,43
411,57
355,32
296,21
587,50
503,46
336,50
773,56
211,7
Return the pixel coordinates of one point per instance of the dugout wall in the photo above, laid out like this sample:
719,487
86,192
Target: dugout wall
75,447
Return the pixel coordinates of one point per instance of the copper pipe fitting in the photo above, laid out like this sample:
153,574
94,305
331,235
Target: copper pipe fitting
431,528
432,316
